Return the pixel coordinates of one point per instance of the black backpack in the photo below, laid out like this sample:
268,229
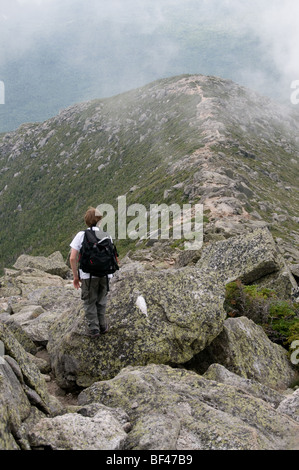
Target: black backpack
98,257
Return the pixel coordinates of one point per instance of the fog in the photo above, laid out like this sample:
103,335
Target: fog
55,53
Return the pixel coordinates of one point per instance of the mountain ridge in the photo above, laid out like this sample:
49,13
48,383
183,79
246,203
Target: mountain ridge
186,139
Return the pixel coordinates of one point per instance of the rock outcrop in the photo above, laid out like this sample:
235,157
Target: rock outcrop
155,317
252,258
104,429
175,409
173,372
242,347
53,264
137,389
164,316
24,396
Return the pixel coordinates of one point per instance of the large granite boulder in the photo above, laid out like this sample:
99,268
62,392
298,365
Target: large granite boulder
53,264
243,348
102,430
175,409
24,397
219,373
290,406
162,316
253,257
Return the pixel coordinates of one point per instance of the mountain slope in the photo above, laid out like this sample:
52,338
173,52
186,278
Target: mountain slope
186,139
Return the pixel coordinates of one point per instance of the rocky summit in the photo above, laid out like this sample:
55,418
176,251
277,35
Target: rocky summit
201,353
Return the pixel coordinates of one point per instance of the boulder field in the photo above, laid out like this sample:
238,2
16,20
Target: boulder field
173,372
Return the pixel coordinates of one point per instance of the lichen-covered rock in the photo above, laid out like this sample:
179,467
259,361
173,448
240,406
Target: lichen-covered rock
37,329
24,397
249,258
22,283
30,371
7,441
175,409
29,280
14,407
219,373
22,337
161,317
290,406
244,349
53,264
73,431
37,309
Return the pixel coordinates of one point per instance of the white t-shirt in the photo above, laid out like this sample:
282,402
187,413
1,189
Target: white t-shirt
76,244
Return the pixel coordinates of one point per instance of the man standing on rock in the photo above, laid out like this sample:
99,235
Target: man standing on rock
93,288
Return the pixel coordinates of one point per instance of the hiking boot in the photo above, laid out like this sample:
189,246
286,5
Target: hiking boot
104,329
93,333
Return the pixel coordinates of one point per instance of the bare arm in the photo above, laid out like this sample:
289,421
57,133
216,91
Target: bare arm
74,266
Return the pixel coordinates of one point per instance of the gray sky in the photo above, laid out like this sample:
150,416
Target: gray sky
119,44
274,21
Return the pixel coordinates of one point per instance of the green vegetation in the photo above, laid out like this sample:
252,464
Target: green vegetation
139,144
278,317
88,156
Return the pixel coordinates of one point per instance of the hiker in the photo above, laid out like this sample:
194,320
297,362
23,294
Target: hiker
94,288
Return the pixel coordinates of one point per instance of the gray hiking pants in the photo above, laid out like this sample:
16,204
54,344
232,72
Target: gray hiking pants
94,296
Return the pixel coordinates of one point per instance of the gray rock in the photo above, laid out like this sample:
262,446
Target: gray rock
179,410
247,258
219,373
53,264
26,313
14,407
24,397
21,336
164,316
30,372
72,431
290,406
38,328
251,258
158,316
295,269
244,349
15,368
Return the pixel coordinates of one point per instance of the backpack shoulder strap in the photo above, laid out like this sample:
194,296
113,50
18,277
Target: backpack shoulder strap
90,235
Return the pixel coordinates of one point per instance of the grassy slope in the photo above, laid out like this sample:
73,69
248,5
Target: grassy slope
137,136
55,191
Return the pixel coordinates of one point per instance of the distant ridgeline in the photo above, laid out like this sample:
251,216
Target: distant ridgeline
190,139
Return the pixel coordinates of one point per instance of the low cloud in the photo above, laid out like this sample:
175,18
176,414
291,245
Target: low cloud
96,48
274,23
